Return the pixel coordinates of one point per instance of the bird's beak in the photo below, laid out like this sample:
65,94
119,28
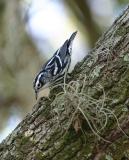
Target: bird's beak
36,94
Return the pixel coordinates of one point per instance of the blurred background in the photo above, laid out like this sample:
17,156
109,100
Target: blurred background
30,32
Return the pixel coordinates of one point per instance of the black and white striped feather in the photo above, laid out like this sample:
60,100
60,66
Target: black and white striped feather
55,68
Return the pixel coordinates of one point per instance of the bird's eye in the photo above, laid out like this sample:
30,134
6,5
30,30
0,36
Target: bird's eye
39,85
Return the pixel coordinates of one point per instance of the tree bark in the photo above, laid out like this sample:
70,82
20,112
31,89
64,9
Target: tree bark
88,117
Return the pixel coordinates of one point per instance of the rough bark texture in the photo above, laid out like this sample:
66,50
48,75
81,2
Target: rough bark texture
54,133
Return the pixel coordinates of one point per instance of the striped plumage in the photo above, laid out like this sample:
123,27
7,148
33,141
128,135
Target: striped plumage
55,68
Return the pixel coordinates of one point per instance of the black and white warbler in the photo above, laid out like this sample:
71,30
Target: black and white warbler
56,68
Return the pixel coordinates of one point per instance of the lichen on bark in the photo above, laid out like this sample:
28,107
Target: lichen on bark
58,128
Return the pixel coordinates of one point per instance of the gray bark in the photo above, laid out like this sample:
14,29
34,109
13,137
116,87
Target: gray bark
64,126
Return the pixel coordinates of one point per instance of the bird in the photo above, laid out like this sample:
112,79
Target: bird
56,68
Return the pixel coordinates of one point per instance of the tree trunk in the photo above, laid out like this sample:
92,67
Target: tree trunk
87,118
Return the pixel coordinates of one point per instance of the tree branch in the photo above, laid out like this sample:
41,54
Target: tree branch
78,119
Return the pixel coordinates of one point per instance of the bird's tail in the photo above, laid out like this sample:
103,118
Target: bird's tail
72,36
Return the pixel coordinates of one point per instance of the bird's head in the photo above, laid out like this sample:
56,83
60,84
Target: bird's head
41,82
